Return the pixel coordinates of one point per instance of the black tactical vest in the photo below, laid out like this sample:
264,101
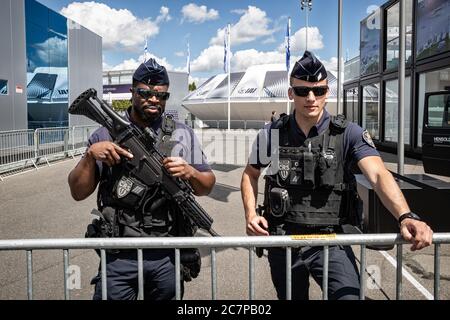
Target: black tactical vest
310,188
155,216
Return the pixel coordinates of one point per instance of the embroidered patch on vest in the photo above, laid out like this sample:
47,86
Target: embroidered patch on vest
368,139
124,187
284,168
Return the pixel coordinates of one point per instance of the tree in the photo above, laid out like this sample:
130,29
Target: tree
192,86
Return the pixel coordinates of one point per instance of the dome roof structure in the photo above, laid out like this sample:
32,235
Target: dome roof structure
255,93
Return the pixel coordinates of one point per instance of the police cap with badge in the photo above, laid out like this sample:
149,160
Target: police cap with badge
309,68
151,73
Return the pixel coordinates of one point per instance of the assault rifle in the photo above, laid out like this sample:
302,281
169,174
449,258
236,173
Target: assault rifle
147,163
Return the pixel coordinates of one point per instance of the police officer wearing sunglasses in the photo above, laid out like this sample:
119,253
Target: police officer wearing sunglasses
100,167
310,188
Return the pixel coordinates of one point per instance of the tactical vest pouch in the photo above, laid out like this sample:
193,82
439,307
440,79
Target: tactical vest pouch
308,169
327,169
129,192
279,202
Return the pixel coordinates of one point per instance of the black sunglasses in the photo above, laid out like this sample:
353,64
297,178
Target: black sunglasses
303,91
147,94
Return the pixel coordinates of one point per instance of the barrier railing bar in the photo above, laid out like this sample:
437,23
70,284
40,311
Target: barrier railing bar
207,242
104,275
398,285
251,276
362,273
213,274
437,270
30,274
140,274
326,255
288,273
66,274
177,275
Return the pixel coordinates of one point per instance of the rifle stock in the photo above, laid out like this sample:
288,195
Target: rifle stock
146,164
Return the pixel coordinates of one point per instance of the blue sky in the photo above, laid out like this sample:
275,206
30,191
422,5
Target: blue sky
258,30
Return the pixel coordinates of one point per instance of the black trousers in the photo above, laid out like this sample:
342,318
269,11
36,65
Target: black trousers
122,276
343,276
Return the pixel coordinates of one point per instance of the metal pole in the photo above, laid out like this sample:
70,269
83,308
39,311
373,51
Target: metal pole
251,275
30,274
307,27
213,274
339,78
401,90
437,270
398,287
326,255
177,275
362,273
288,273
288,107
66,274
140,274
229,76
104,276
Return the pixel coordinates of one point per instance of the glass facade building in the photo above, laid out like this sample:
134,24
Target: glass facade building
47,61
47,67
371,93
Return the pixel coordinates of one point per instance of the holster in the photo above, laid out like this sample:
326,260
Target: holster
260,211
104,226
191,263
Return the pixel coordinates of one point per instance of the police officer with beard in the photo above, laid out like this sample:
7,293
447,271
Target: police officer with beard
101,166
310,188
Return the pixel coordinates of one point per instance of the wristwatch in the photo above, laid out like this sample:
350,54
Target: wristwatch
408,215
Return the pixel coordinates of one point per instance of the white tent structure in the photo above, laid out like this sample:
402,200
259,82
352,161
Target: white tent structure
254,95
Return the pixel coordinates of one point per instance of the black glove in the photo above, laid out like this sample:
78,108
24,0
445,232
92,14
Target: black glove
191,263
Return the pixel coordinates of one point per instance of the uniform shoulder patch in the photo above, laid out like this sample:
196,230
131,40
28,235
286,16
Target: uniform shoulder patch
368,139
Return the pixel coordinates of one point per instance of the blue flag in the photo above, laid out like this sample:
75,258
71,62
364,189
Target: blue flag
145,50
288,45
188,62
225,54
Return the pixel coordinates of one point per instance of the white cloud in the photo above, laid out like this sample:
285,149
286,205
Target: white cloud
298,40
119,28
239,11
269,40
164,15
246,58
179,53
252,25
198,14
209,60
330,65
55,45
132,64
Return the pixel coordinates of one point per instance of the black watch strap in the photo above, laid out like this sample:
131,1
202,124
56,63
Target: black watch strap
408,215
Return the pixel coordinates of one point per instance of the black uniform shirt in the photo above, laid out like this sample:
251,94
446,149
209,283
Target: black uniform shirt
187,147
355,146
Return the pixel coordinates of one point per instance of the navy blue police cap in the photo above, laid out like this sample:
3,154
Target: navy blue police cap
309,68
151,73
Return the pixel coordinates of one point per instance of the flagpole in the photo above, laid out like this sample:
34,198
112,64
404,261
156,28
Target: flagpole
288,63
229,75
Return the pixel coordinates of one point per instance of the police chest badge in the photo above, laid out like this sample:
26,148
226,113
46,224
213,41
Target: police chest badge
368,139
284,167
124,187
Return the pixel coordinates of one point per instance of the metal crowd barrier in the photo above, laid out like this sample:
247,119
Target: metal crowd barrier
23,147
224,242
223,124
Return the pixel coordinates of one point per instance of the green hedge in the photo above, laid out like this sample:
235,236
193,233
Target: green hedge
121,105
